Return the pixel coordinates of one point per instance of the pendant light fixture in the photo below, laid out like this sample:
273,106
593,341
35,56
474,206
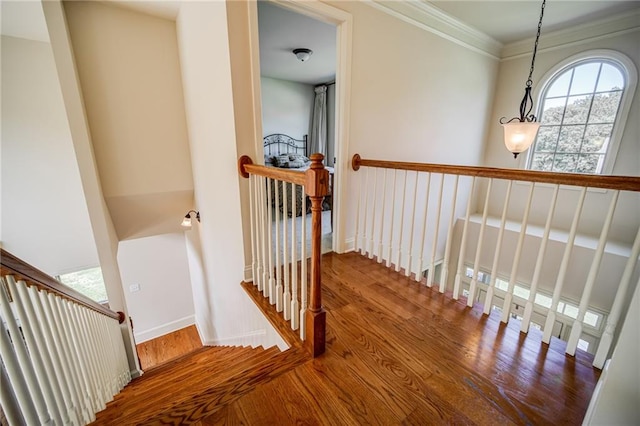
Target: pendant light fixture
519,132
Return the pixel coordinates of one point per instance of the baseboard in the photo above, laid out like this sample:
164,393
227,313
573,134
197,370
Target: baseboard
248,274
349,245
161,330
253,339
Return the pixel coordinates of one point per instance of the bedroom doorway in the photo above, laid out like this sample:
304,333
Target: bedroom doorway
298,93
291,84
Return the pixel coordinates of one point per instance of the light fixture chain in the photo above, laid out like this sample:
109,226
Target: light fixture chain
535,46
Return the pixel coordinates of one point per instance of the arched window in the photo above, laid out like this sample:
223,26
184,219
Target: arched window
582,112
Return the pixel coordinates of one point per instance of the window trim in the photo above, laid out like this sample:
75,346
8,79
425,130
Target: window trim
631,81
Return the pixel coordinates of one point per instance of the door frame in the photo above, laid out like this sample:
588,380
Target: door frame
344,23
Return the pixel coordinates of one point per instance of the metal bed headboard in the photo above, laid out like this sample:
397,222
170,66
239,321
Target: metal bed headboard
279,143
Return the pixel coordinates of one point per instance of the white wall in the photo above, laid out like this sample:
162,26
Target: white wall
508,95
44,214
286,107
164,301
206,73
615,399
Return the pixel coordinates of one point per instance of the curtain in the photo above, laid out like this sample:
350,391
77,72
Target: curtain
319,122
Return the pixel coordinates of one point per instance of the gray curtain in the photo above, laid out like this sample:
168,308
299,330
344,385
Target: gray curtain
319,122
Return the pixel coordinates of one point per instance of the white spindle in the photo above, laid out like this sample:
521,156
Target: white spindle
434,246
407,270
84,334
418,276
303,267
488,300
528,308
391,224
294,261
404,191
508,298
363,246
476,261
447,249
272,282
35,344
258,278
616,309
373,213
264,282
252,214
8,400
384,198
356,241
576,329
463,244
286,301
19,369
279,278
564,266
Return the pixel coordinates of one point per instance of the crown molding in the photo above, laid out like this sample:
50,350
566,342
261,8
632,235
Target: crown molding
428,17
608,27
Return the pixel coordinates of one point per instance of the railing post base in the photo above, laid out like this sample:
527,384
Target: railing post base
315,327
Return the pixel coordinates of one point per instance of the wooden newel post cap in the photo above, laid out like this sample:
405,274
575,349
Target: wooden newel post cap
317,177
242,161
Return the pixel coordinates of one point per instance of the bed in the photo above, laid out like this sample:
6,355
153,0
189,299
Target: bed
284,151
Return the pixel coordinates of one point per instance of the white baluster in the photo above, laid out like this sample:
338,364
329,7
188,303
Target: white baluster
303,267
85,336
286,301
19,369
294,261
271,285
8,400
279,289
252,214
356,241
86,410
407,270
506,308
264,283
488,299
258,278
564,265
576,329
384,197
363,246
373,213
616,309
528,308
463,244
404,191
391,224
447,249
476,261
28,326
434,247
418,276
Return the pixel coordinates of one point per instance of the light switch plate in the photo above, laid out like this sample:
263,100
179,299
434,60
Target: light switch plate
134,287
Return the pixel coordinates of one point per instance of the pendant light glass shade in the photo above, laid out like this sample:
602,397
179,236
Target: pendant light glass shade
518,136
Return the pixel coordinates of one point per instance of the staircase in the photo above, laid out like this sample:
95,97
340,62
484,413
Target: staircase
197,385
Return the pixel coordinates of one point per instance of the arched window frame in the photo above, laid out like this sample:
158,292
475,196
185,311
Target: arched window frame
630,75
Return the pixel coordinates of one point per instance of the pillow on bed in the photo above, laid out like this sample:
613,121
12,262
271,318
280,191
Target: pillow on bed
268,160
296,164
299,158
281,160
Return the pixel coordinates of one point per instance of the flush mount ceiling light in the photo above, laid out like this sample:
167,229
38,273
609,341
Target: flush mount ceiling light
519,132
303,54
186,222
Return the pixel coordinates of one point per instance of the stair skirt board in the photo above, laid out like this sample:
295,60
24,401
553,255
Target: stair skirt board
163,329
253,339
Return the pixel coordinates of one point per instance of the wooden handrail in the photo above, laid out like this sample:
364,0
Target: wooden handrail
316,185
623,183
21,270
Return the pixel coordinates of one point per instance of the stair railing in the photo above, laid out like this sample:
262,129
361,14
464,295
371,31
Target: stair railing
63,355
279,265
404,210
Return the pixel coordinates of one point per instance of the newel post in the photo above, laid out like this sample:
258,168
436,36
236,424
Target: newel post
316,187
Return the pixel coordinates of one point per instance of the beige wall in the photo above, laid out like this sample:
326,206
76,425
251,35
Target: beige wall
44,213
286,107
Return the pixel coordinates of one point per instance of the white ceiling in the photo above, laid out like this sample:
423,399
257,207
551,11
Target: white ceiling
511,21
281,31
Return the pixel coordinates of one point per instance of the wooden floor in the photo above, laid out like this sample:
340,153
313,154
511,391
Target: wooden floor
158,351
397,353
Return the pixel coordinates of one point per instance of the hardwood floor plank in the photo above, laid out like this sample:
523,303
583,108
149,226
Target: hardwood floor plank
170,346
